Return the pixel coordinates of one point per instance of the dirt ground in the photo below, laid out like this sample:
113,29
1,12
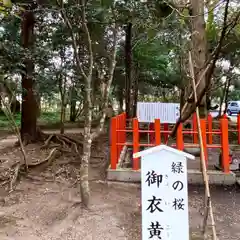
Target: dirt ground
46,207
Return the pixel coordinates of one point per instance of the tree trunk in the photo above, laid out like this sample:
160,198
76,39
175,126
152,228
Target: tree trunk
120,98
73,112
88,108
135,93
227,93
29,103
208,101
128,68
87,143
229,81
182,72
84,184
63,108
164,95
13,105
222,99
182,98
38,99
199,48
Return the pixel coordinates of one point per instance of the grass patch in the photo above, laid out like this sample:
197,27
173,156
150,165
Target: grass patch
49,117
4,122
45,119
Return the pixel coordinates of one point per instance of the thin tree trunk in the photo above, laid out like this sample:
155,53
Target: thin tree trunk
222,99
109,82
87,76
1,111
208,100
120,98
181,72
164,95
135,92
73,111
227,93
29,103
13,104
87,140
62,89
182,98
228,80
84,183
87,143
62,117
128,68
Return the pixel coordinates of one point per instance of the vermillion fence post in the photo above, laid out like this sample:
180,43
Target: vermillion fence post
204,138
225,144
157,132
118,138
165,128
151,134
113,143
209,123
194,127
180,142
135,143
121,133
238,127
124,127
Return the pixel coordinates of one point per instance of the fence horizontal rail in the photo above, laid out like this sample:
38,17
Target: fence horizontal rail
120,126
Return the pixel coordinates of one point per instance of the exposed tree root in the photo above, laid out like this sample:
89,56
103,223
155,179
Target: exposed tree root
64,144
62,141
53,147
14,178
48,159
27,139
47,142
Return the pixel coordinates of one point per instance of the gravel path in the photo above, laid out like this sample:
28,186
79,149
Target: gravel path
47,212
40,210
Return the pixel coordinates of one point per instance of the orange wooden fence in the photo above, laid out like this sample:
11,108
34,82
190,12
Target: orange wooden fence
119,139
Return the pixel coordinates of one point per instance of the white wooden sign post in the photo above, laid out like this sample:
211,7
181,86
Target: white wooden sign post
164,193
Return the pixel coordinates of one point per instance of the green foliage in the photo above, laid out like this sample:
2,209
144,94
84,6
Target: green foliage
46,118
5,7
211,26
159,41
4,122
7,3
234,95
106,3
49,117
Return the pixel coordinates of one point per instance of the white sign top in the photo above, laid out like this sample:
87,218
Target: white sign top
164,194
166,112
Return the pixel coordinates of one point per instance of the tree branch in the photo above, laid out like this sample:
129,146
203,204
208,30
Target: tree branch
109,83
209,69
74,41
233,23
